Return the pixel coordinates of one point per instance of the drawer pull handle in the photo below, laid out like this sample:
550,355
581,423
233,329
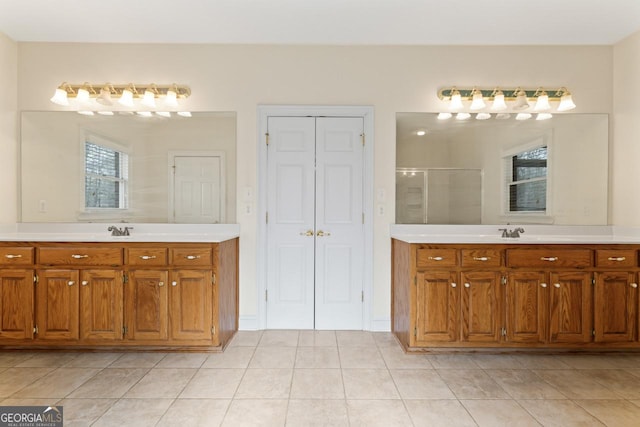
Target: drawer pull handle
174,283
71,283
549,258
10,256
617,259
544,285
76,256
481,258
557,285
634,285
453,285
161,284
85,282
467,285
145,257
192,256
436,258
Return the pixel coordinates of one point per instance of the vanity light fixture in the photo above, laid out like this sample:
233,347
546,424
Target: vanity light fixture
483,116
463,116
126,98
498,100
455,102
542,101
61,95
444,116
421,132
477,100
566,100
149,97
521,100
523,116
544,116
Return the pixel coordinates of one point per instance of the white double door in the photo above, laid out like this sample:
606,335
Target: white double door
315,232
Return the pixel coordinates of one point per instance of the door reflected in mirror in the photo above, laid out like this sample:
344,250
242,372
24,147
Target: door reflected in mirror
130,168
492,172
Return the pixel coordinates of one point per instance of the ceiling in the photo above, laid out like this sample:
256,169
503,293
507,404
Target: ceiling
334,22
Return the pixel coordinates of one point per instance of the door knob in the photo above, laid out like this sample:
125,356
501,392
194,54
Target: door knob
308,233
321,233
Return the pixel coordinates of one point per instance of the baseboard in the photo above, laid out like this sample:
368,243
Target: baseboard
381,325
248,323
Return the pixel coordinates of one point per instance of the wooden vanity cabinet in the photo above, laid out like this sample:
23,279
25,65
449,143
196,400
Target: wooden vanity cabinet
16,292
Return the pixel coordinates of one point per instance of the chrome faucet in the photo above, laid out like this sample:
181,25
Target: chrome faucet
515,233
115,231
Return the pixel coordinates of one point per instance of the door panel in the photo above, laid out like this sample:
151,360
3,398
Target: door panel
526,307
146,299
615,307
481,306
570,305
191,302
437,307
16,304
101,305
57,304
197,189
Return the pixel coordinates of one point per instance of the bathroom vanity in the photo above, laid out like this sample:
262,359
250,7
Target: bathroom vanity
164,287
552,287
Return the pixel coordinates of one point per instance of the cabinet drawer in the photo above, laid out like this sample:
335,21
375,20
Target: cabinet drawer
80,256
436,258
16,255
481,258
191,256
577,258
616,258
146,256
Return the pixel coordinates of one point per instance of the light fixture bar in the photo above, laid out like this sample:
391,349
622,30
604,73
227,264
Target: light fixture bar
555,94
116,90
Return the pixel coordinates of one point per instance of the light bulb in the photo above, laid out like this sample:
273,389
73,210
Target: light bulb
171,100
456,100
421,133
544,116
483,116
463,116
444,116
523,116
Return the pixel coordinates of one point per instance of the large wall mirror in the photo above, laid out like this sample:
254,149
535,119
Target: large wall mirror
128,168
498,171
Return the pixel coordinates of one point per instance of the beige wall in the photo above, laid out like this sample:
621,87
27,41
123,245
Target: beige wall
8,130
625,148
391,79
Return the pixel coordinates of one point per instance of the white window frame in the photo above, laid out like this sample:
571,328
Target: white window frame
506,158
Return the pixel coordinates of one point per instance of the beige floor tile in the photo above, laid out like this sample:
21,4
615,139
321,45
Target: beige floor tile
369,384
438,413
317,384
635,402
48,360
276,338
452,361
213,384
472,384
598,361
317,339
620,381
57,384
49,401
138,360
524,384
182,360
361,357
14,379
374,413
273,357
84,412
246,339
499,413
110,383
317,413
576,384
134,413
395,358
265,384
256,412
541,361
232,357
355,339
195,413
559,413
385,339
499,361
317,357
421,384
618,413
161,383
12,358
93,360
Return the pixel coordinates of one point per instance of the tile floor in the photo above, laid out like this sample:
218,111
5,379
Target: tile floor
314,378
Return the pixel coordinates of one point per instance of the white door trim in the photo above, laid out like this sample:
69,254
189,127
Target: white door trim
366,112
171,155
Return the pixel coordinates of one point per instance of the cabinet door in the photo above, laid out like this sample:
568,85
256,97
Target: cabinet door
57,304
190,304
481,308
615,307
101,305
16,304
437,307
146,305
526,310
570,307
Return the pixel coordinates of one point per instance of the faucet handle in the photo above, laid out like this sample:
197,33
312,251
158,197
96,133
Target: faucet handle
126,231
504,232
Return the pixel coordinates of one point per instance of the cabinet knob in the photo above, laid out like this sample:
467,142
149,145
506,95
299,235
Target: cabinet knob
544,285
549,258
436,258
71,283
467,285
557,285
634,285
192,256
161,284
145,257
174,283
453,285
85,282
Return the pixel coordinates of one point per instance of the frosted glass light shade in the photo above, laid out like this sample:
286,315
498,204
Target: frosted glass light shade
523,116
82,96
566,102
463,116
477,102
542,103
149,99
483,116
126,98
521,101
60,97
105,97
456,101
184,113
444,116
544,116
498,102
171,100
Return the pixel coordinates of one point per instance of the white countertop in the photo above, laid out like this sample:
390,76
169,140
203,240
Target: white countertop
97,232
534,234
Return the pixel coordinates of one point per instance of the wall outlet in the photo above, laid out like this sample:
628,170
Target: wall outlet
42,206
